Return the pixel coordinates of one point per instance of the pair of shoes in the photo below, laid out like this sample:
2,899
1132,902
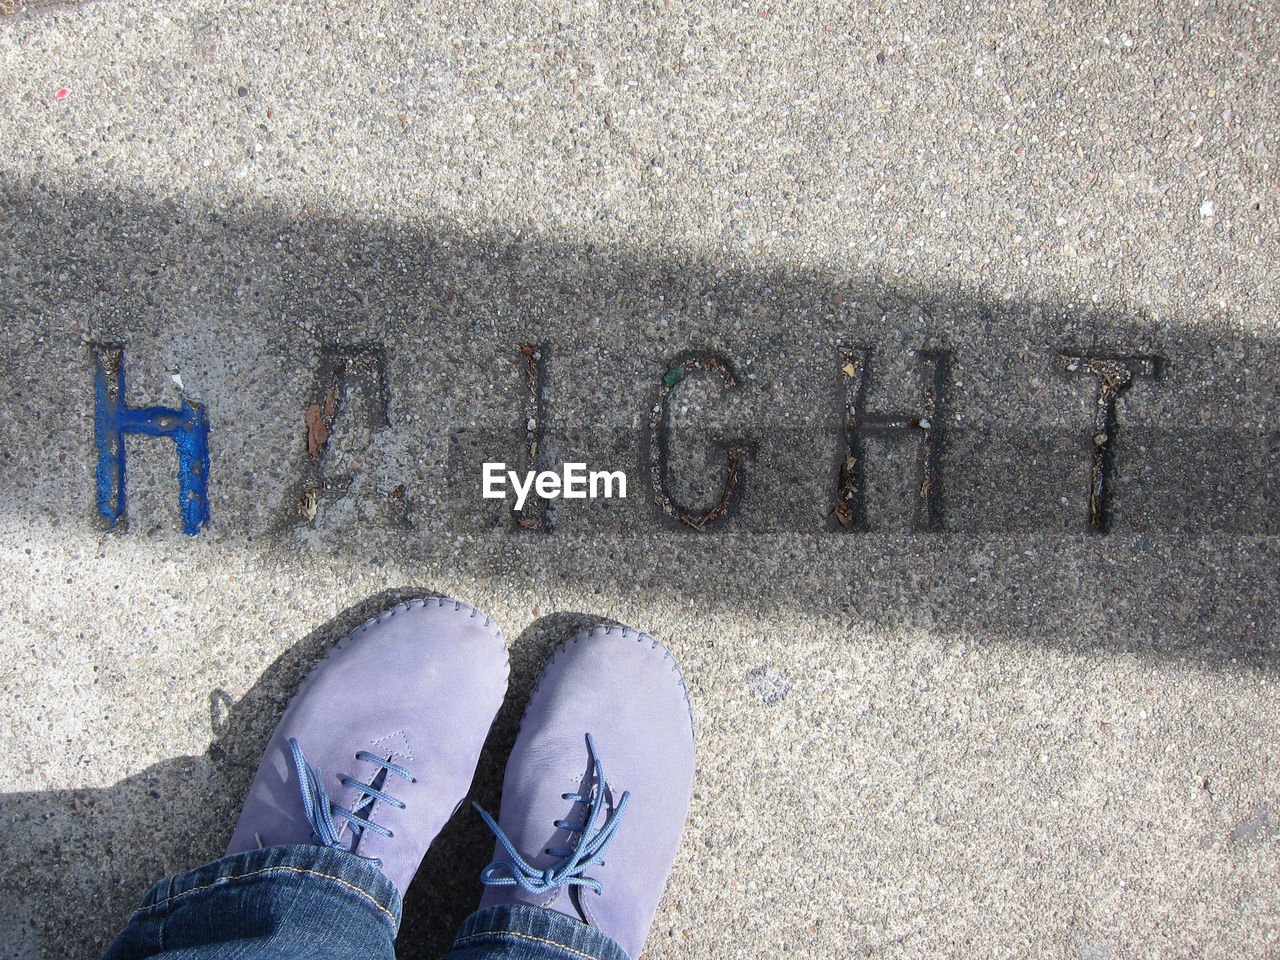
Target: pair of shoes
377,750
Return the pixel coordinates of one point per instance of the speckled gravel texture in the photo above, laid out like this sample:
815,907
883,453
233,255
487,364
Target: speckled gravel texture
1004,735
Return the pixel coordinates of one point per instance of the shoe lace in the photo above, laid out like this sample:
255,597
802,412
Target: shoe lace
587,851
320,810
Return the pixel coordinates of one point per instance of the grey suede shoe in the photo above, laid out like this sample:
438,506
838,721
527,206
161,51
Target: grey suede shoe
610,700
378,747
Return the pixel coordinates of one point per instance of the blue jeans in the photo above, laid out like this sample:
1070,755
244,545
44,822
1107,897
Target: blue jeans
315,903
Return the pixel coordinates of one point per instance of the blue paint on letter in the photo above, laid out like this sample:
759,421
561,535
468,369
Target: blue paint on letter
187,425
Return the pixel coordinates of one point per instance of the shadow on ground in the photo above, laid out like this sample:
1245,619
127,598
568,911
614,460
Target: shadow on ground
250,307
245,301
85,842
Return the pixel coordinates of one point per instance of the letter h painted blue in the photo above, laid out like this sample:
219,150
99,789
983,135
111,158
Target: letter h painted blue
187,426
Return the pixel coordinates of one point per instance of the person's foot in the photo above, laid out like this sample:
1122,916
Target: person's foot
610,703
378,747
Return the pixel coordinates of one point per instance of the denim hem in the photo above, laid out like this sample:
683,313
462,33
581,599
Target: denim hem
554,933
347,874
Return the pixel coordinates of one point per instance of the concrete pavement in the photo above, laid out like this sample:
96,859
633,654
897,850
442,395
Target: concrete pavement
982,301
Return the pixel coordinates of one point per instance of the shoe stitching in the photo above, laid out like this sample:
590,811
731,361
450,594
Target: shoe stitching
404,736
641,636
421,603
223,881
523,936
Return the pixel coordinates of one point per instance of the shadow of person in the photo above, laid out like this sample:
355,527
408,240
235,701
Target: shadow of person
79,861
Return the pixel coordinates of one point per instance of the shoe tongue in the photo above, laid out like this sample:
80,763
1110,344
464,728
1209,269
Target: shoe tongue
375,784
565,902
366,807
574,897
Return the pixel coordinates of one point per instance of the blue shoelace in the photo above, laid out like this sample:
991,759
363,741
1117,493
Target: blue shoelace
320,809
588,851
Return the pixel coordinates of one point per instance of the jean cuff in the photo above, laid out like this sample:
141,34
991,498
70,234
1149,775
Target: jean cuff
344,874
538,927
